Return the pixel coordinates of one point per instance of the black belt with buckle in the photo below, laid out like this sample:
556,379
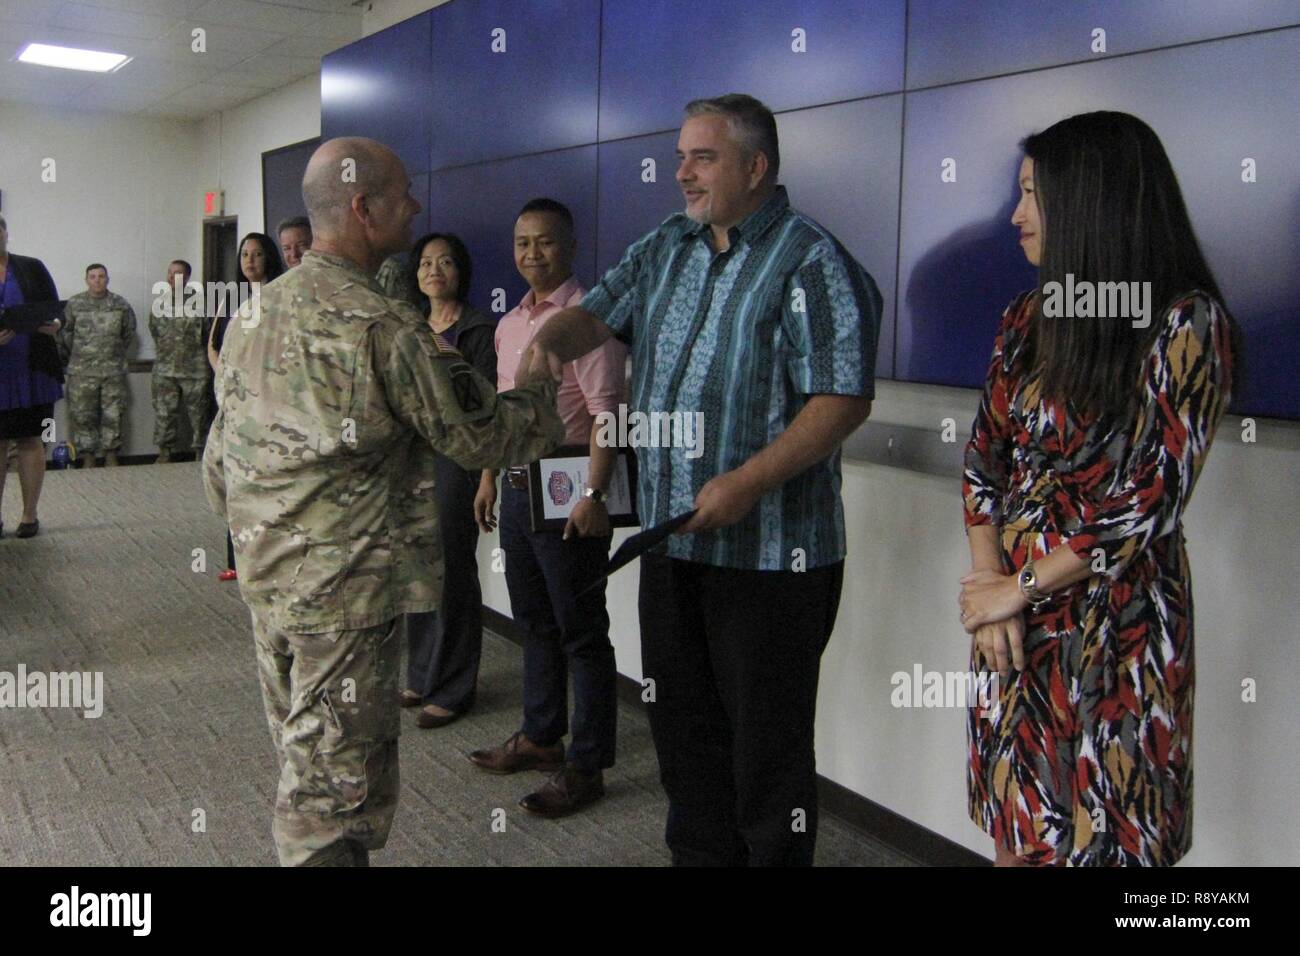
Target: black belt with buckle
518,478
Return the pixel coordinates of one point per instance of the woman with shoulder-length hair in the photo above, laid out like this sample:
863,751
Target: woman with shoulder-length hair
445,645
1083,456
259,262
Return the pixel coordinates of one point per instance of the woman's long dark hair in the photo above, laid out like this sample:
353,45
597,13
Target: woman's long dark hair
274,264
1111,211
274,269
459,254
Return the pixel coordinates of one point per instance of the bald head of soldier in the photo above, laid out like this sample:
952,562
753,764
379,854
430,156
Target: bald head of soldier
358,198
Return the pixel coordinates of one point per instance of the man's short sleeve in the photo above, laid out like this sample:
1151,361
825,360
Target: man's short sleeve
615,298
831,316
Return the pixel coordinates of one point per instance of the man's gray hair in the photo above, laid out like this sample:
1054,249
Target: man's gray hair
293,222
752,124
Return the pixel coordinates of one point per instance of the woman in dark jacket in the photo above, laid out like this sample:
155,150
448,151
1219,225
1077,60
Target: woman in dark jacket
31,378
445,645
259,262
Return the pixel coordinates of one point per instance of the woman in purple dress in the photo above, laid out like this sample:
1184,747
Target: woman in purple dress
31,379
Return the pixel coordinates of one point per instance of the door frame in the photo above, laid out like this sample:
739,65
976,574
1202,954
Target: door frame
211,225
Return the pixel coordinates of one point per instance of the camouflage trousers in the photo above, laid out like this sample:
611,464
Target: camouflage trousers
331,702
96,404
170,396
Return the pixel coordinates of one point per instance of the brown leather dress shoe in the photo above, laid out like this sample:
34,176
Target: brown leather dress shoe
566,792
519,753
409,698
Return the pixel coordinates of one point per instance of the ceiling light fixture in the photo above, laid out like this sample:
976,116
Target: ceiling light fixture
70,58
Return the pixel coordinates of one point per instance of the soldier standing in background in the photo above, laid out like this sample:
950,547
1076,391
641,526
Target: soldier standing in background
328,393
180,366
97,330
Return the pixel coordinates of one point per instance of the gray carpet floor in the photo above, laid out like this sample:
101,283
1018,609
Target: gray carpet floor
108,586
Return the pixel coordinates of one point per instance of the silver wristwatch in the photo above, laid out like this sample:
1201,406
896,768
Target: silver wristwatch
596,495
1028,582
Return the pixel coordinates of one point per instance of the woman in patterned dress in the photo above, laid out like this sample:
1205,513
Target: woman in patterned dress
1082,458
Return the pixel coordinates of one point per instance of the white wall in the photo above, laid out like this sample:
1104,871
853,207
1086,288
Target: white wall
907,549
124,193
128,192
232,143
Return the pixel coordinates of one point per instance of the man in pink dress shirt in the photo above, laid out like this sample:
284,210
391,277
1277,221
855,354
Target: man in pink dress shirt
546,570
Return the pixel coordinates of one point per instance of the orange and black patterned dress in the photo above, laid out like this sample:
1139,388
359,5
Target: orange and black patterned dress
1085,756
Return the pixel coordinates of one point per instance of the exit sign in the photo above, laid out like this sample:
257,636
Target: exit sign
214,202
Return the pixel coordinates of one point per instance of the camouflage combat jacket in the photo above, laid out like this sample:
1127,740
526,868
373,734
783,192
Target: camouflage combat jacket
96,334
179,347
326,393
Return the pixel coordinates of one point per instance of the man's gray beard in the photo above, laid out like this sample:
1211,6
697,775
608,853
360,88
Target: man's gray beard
704,218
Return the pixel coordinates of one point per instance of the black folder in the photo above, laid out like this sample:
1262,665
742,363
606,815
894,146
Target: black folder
27,318
639,544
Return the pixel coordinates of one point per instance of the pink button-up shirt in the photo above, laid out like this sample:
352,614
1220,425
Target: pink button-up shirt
592,383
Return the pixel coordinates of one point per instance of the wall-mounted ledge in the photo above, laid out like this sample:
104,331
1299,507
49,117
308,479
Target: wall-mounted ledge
905,446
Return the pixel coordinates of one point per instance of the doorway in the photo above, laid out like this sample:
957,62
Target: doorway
220,264
220,255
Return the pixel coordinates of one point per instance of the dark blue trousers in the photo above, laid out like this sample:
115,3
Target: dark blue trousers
563,634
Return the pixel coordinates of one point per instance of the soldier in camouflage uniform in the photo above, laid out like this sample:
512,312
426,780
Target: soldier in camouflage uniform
97,330
332,399
180,366
395,279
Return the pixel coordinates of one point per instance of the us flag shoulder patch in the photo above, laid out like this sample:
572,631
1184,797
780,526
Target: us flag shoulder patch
444,347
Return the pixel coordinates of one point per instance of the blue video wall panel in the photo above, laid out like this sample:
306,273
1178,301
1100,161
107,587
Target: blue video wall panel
635,196
655,57
513,78
380,87
951,40
1213,105
957,262
480,203
420,192
840,164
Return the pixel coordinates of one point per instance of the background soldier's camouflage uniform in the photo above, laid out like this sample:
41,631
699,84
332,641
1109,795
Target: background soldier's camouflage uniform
94,340
331,401
395,279
180,373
